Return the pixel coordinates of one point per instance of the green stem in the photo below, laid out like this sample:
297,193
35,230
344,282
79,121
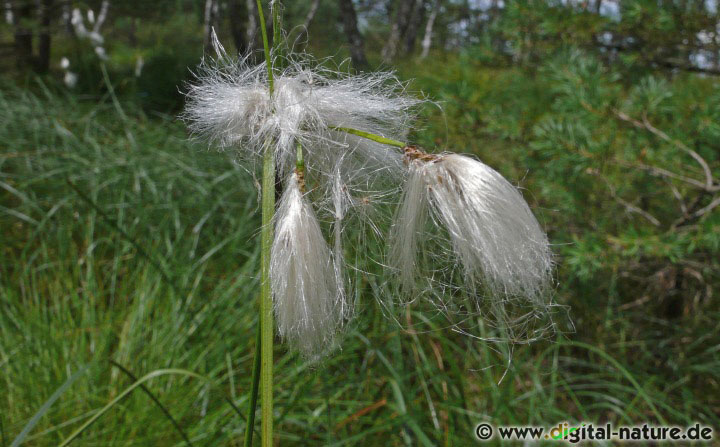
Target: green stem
125,393
111,90
266,307
267,327
370,136
300,164
266,46
276,11
252,404
152,397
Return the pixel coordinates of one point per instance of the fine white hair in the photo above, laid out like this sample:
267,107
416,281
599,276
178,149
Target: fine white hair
493,233
230,104
497,252
308,294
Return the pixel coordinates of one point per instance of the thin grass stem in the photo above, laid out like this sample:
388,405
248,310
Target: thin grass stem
110,88
124,394
370,136
252,404
266,46
147,391
45,407
267,326
106,219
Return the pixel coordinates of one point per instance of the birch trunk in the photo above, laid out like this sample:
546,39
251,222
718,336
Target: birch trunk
427,40
211,9
402,16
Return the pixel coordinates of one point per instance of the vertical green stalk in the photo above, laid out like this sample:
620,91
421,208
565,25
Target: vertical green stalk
252,403
300,164
276,11
266,45
267,326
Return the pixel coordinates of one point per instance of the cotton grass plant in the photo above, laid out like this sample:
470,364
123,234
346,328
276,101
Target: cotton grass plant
332,144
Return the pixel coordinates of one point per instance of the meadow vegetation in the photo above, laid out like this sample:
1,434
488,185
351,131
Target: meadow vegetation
127,249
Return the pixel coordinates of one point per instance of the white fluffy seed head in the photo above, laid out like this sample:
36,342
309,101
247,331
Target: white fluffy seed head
230,104
408,228
493,233
308,294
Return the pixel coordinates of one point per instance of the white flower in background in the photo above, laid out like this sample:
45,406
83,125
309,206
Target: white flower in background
78,23
100,51
139,64
9,18
70,79
93,35
95,38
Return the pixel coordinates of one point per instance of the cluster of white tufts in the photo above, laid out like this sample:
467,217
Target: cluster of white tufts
70,79
93,35
231,104
482,223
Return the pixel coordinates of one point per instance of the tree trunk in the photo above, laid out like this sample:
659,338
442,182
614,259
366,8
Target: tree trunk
252,25
416,18
66,7
311,14
402,17
43,60
357,46
132,32
23,35
715,47
211,9
427,40
9,14
236,26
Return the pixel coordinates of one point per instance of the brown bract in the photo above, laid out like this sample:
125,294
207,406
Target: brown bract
415,153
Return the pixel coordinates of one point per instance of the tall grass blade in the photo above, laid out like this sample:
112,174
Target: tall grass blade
125,393
109,221
165,411
252,405
45,407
